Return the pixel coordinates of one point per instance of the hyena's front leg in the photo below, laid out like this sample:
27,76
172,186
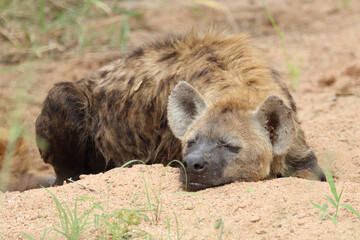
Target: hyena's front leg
63,136
301,161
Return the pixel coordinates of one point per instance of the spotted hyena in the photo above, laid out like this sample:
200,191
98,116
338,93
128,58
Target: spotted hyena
207,99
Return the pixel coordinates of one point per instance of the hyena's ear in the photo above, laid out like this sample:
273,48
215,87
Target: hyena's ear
185,105
277,120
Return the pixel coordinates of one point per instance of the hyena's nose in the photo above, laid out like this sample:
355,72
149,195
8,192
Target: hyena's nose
194,163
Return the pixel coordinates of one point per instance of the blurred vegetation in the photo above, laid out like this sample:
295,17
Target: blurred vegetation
293,68
37,28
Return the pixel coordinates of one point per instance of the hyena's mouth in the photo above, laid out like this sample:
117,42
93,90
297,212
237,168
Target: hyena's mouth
195,186
191,183
195,182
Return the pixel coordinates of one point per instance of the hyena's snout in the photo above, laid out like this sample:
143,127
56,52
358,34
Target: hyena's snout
201,167
197,169
195,164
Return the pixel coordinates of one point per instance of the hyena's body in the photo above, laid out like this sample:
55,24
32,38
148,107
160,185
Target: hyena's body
119,113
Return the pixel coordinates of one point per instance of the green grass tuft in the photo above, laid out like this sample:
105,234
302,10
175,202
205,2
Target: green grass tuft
125,222
121,224
40,28
72,226
335,202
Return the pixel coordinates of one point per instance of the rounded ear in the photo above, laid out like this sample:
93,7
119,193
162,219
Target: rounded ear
185,105
277,120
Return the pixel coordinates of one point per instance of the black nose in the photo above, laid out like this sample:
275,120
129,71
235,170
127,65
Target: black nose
194,163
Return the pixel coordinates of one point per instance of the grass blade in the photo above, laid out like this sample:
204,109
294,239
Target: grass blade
64,219
334,219
341,193
168,226
351,209
319,207
331,201
177,227
218,223
27,237
222,229
183,167
293,69
102,6
332,185
125,33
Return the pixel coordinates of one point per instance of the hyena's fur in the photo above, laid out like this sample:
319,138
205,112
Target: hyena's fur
119,113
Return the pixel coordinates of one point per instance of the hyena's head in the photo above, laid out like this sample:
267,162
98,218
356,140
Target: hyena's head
223,142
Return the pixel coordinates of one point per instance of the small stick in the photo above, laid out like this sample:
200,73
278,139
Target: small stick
84,186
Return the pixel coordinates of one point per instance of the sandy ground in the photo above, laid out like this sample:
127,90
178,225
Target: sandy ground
322,37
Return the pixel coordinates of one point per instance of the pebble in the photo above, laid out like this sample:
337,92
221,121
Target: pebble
242,205
255,219
261,232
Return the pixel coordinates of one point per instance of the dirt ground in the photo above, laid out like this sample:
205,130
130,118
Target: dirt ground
322,37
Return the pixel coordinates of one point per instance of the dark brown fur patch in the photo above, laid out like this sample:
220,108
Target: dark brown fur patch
224,87
214,60
168,56
203,51
149,107
131,81
101,97
226,109
123,114
144,81
145,140
112,98
137,53
203,73
130,136
103,74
